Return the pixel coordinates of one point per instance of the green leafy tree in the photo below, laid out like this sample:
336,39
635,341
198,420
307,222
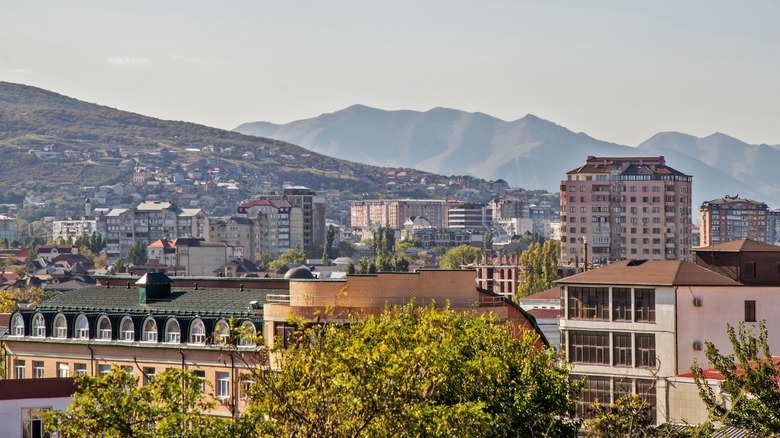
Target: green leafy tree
7,302
384,242
136,254
750,377
628,417
382,376
266,259
346,249
539,264
93,242
119,266
363,266
291,256
350,268
113,405
487,239
459,256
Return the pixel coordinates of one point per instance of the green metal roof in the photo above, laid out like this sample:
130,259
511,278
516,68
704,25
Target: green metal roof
185,301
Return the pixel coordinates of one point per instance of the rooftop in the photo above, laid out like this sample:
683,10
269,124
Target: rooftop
741,245
651,272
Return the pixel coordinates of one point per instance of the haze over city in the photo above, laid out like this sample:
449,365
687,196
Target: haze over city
618,71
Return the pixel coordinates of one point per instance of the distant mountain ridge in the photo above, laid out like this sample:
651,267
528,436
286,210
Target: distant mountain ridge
529,152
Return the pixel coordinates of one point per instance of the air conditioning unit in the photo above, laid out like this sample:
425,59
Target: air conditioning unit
697,302
697,346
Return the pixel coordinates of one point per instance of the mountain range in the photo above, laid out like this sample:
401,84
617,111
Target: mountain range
529,152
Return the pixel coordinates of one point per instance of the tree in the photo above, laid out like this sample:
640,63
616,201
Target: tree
487,240
350,268
7,302
113,405
381,376
456,257
136,254
291,256
629,416
119,266
750,382
93,242
539,264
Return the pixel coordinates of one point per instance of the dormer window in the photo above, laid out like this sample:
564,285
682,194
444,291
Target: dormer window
104,328
221,332
82,328
172,331
60,327
39,326
127,329
17,325
150,330
197,332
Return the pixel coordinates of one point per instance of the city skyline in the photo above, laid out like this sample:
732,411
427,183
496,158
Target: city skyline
619,72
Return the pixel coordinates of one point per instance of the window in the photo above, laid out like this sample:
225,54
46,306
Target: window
202,376
63,369
38,326
128,369
82,327
646,389
172,331
221,332
104,369
150,330
38,369
60,326
750,311
750,269
104,328
621,349
246,384
19,369
32,425
645,350
589,347
80,369
223,385
148,375
127,329
248,333
197,332
588,303
596,389
621,304
644,302
17,325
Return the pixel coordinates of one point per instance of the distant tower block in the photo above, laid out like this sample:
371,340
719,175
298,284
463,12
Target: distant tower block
88,207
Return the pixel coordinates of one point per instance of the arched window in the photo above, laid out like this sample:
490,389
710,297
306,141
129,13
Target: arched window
104,328
221,332
38,326
127,329
60,327
248,333
197,332
150,330
17,325
172,331
82,327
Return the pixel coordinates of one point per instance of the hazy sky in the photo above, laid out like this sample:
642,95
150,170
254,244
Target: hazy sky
619,70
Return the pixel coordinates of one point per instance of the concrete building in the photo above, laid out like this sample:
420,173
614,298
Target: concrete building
515,217
7,227
732,218
190,256
73,229
21,402
468,215
394,212
635,208
150,221
276,226
773,226
313,208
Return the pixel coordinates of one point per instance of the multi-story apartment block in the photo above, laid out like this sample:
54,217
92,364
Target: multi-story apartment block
773,226
733,218
191,255
73,229
394,212
150,221
276,226
313,208
515,217
636,326
633,208
468,215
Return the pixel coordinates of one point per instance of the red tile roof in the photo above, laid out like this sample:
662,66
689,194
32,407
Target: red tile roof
741,245
713,374
545,313
553,293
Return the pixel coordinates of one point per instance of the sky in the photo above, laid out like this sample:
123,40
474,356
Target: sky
619,71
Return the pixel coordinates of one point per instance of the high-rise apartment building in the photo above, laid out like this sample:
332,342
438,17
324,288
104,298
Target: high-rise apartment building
468,215
626,208
313,207
733,218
